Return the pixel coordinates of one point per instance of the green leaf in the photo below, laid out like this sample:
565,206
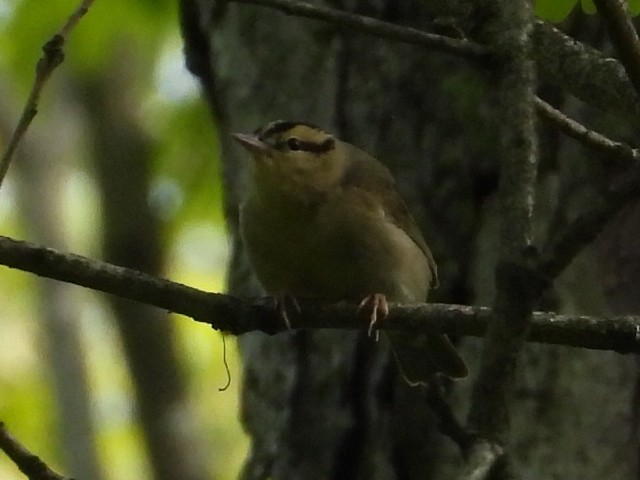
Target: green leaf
634,6
554,10
589,7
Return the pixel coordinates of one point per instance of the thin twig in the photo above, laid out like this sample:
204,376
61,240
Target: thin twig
448,423
53,56
560,58
379,28
28,463
590,138
239,316
568,242
623,36
75,17
561,250
483,458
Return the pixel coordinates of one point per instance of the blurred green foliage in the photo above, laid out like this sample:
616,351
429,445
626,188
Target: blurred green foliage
186,197
554,10
558,10
32,22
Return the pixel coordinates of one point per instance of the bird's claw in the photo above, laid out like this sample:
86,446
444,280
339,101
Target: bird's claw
377,302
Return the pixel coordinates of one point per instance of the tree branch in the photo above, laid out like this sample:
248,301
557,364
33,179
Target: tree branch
53,56
516,290
239,316
584,71
379,28
448,423
561,250
483,459
623,36
28,463
622,152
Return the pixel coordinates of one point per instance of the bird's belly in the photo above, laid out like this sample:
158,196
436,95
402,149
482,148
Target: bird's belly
381,258
344,258
278,249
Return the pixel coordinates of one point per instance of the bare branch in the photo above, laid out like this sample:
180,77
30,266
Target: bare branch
448,424
74,18
585,72
561,250
623,36
125,283
53,56
622,152
483,458
379,28
238,316
28,463
516,289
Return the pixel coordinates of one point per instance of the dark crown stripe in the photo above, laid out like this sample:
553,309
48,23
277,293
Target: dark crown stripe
280,126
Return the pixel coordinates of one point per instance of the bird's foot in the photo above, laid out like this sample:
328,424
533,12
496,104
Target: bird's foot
378,304
281,302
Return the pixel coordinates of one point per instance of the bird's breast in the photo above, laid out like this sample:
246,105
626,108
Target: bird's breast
340,249
277,240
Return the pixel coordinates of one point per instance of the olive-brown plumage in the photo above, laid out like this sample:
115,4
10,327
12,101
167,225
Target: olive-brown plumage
323,219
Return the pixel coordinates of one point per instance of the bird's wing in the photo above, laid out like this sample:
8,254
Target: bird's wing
366,173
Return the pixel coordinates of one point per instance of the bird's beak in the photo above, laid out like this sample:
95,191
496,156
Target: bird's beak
251,142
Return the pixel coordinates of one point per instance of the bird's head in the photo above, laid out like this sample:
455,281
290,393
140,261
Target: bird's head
294,156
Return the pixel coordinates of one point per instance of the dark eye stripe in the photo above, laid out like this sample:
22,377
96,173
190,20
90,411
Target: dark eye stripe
325,146
303,146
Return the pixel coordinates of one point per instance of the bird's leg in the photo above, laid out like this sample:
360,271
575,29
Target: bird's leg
281,300
378,304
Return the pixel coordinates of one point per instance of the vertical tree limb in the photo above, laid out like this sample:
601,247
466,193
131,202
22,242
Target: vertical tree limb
510,34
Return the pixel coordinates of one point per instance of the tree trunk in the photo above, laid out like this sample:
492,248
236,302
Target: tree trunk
132,238
41,178
327,404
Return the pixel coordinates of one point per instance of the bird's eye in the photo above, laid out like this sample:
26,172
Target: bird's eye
294,144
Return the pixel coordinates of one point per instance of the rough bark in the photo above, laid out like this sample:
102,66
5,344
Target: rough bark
327,404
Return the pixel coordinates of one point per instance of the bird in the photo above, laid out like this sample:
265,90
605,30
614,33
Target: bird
323,219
